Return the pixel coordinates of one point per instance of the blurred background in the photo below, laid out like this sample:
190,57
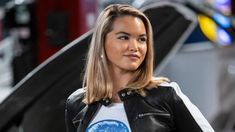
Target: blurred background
43,45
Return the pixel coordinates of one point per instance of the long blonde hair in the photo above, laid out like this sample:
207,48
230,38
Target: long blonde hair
97,80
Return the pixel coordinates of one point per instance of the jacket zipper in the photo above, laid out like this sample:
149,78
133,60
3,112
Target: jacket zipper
148,114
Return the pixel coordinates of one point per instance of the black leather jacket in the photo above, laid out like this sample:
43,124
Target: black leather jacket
163,109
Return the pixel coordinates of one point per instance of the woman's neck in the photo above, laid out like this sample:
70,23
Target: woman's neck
120,80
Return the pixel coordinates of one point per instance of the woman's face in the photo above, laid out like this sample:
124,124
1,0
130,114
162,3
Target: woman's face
126,44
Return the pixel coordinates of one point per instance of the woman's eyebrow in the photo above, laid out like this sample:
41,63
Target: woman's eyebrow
143,35
121,32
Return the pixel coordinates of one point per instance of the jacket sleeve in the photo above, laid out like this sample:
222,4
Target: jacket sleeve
68,119
73,106
187,116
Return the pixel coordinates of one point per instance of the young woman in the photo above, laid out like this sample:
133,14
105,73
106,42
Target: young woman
119,91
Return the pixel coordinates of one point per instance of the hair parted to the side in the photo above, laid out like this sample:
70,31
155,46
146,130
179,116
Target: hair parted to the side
97,80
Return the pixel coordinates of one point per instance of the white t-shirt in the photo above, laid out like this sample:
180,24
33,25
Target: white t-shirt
110,118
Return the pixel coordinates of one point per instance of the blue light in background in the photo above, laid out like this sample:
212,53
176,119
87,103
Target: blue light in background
222,20
222,1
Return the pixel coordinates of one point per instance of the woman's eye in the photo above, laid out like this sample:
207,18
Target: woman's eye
142,39
123,37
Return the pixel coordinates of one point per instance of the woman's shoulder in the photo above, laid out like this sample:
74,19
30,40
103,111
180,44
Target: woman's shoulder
76,98
165,90
165,86
74,105
76,95
174,87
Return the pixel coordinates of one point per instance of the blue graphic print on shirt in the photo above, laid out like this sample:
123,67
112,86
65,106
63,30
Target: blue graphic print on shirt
108,126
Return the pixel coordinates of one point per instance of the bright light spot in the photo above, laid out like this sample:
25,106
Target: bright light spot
18,2
223,20
223,37
222,1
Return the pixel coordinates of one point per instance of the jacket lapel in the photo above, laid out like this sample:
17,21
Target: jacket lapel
88,114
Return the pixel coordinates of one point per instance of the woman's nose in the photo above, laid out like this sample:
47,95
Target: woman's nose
133,45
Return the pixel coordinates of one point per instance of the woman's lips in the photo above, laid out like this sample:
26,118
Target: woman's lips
133,56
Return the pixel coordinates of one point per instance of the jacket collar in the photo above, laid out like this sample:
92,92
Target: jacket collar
123,94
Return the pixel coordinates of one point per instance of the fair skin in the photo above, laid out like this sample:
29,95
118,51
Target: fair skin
126,47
